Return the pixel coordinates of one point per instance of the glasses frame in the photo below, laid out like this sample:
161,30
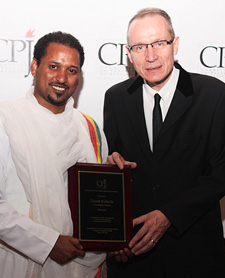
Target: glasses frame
152,44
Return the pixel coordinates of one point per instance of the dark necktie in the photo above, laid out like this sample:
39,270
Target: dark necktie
157,117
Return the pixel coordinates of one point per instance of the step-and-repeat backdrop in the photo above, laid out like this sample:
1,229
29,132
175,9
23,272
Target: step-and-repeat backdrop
101,28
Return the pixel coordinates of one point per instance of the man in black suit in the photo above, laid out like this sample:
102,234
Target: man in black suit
178,174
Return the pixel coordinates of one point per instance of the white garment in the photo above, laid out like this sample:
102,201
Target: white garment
43,146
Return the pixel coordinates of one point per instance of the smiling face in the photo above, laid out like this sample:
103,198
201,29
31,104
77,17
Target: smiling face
154,65
56,78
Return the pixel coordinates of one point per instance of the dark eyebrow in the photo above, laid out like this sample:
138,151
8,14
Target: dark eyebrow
57,63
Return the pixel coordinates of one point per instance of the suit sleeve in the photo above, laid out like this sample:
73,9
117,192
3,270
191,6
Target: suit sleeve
110,127
200,200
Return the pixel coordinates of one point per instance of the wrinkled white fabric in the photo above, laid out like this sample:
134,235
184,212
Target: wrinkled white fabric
43,146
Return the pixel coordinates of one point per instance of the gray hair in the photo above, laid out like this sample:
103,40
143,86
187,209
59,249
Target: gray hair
153,11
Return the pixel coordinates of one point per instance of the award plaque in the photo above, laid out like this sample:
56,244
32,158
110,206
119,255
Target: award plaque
100,203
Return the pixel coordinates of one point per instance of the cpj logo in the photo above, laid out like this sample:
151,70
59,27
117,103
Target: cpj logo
16,55
113,61
212,60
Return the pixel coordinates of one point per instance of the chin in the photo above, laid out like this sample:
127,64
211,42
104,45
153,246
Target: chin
57,102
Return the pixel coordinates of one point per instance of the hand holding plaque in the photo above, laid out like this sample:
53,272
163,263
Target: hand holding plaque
100,203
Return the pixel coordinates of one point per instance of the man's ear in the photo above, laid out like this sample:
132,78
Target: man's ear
33,67
176,45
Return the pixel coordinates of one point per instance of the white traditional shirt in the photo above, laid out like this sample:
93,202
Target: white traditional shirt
36,149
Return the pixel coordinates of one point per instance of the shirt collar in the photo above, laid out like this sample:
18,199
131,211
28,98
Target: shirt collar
167,89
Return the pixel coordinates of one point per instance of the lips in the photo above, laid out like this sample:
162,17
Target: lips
59,88
153,68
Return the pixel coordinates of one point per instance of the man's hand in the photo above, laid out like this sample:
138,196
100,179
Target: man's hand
65,249
155,224
122,255
116,158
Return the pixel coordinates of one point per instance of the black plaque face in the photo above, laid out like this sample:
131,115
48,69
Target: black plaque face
100,203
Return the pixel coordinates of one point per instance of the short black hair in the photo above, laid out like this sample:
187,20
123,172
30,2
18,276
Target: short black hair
57,37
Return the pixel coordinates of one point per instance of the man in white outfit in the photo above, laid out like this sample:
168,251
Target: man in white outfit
41,136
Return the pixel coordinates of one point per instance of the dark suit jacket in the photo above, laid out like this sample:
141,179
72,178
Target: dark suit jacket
184,177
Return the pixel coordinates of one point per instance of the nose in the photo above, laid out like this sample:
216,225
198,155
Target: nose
61,76
150,54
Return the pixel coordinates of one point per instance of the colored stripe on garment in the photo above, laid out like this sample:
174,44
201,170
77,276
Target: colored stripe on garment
100,272
97,143
95,136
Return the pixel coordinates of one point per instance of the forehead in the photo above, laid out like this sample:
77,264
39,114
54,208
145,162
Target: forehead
149,27
61,53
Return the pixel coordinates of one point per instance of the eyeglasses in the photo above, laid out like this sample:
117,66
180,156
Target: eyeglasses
139,48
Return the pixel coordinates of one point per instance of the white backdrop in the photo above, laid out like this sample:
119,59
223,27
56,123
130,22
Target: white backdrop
101,26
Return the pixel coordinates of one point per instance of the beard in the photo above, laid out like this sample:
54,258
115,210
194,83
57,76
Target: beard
55,102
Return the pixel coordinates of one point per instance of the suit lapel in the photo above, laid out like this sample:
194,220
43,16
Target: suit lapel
134,105
181,101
